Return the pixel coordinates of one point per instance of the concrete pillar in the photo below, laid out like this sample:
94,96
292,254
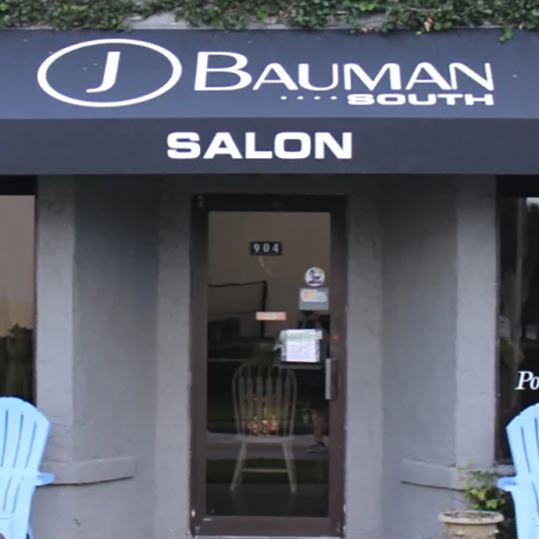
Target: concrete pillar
55,272
96,298
54,507
476,362
364,406
172,429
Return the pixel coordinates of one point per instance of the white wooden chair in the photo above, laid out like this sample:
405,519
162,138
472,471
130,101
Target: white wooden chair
264,410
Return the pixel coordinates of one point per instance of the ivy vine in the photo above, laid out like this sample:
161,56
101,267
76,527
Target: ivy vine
413,15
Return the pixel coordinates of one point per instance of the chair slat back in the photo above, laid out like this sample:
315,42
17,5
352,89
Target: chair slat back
264,400
523,435
23,436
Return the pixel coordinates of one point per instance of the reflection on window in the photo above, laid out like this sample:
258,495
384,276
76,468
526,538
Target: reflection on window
518,310
17,296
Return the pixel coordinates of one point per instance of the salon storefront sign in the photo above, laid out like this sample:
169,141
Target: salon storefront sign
223,71
285,145
277,102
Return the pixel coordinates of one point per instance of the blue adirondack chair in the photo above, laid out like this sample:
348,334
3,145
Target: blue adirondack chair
23,435
523,435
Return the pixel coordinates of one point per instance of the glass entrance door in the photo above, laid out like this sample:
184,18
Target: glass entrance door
268,435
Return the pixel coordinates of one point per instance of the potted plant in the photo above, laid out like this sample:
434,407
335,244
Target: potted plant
471,524
488,508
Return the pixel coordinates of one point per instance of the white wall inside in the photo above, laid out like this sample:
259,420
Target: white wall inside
17,274
306,239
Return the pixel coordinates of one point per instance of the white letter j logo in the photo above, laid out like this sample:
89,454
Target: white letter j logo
110,74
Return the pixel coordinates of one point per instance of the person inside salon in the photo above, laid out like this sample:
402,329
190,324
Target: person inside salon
313,382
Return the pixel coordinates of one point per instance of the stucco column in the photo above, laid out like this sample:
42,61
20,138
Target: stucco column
475,410
172,425
54,509
55,260
364,433
96,292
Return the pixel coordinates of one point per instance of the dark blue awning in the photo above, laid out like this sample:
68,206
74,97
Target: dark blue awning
282,101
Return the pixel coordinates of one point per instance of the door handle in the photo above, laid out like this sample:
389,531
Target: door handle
331,379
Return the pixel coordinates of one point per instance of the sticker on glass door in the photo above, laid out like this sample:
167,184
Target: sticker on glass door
315,276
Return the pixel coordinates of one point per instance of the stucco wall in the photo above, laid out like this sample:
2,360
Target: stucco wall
420,317
113,348
439,334
475,411
97,259
363,487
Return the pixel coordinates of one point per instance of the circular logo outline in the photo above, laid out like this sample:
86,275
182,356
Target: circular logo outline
310,281
48,89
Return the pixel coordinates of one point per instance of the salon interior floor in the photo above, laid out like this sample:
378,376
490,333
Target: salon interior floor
251,499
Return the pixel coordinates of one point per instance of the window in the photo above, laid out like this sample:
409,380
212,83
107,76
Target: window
17,289
518,304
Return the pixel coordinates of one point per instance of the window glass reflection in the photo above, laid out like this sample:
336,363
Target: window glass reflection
518,310
267,423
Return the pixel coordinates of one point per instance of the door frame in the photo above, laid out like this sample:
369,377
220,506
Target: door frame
206,525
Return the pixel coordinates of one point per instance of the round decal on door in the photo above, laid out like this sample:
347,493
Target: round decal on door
315,276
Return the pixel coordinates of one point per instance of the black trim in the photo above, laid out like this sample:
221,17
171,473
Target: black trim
18,185
518,186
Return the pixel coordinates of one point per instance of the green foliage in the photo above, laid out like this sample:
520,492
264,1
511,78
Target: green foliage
417,15
482,494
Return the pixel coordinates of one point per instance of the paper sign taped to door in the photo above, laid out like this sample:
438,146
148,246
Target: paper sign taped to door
300,345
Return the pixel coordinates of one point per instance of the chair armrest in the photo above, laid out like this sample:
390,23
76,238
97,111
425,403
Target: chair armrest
45,479
507,484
